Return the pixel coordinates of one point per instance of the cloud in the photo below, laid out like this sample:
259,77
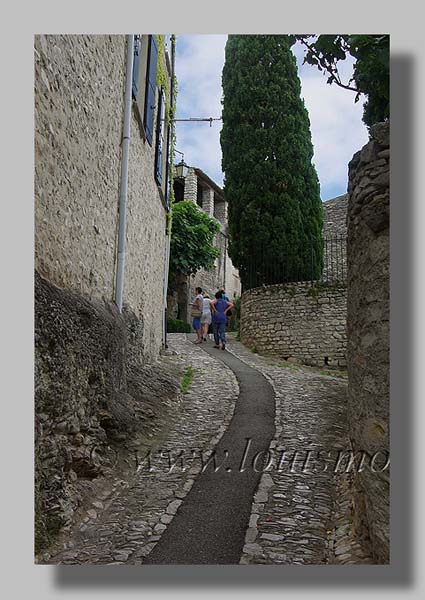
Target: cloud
199,63
337,128
336,125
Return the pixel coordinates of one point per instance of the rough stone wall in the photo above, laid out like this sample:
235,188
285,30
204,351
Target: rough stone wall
368,329
92,396
211,280
335,216
220,211
208,201
191,186
298,321
335,236
79,104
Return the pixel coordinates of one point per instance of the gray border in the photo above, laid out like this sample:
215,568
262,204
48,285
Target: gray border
403,22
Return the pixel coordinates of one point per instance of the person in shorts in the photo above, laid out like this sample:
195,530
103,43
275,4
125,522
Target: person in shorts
196,320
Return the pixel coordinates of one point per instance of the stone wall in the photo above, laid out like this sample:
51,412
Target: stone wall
368,330
93,396
335,216
79,104
296,322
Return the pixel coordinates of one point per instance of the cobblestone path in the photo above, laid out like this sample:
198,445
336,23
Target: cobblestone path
296,516
124,527
301,513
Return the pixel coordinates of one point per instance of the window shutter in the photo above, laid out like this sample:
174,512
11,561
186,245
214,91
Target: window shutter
136,64
159,153
150,88
167,167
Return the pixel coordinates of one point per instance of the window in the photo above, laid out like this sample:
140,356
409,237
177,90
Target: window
144,81
160,146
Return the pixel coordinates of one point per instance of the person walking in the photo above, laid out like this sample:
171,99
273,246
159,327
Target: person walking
220,308
196,314
206,317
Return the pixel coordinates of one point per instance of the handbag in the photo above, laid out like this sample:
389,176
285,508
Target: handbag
195,312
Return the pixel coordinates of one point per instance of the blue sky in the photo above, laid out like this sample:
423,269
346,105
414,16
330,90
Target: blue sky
336,125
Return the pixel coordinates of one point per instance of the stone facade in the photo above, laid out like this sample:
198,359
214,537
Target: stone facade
368,330
335,216
95,369
204,192
296,322
79,109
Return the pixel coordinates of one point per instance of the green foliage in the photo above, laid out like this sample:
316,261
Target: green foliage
254,350
192,239
270,182
162,77
371,70
187,379
177,326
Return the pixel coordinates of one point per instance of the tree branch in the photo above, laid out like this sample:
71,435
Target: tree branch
333,72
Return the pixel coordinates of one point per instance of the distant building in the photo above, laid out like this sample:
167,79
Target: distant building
197,187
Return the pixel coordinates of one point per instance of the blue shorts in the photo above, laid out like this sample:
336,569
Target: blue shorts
196,323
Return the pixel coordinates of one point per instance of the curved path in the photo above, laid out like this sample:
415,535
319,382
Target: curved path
210,525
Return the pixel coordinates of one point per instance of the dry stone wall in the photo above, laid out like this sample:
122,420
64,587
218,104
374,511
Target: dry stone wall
368,330
93,395
79,104
296,322
335,216
302,321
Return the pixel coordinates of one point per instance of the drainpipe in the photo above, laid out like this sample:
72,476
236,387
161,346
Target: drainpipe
119,286
169,183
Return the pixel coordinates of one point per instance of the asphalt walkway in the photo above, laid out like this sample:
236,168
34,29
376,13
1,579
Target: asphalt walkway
210,525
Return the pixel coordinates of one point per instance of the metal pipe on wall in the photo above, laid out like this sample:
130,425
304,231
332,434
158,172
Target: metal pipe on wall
119,286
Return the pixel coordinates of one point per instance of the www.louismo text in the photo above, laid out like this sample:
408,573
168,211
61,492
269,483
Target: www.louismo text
308,460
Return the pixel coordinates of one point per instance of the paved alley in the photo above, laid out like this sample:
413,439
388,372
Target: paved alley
247,502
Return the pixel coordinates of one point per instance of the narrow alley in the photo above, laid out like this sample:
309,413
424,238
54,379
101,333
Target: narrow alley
222,485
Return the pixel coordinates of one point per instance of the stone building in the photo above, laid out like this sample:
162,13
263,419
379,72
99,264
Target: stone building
79,114
197,187
98,100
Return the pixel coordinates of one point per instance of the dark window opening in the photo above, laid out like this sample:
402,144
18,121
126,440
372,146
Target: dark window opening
178,191
326,360
199,195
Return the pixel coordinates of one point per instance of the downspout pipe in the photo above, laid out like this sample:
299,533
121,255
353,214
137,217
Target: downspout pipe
119,285
170,184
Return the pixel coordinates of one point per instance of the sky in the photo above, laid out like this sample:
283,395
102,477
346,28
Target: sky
336,120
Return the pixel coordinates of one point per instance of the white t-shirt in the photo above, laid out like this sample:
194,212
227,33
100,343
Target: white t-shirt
206,308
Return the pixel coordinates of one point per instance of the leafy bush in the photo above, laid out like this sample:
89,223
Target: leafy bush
177,326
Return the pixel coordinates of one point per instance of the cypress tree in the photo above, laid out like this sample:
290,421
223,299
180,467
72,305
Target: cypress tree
275,211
